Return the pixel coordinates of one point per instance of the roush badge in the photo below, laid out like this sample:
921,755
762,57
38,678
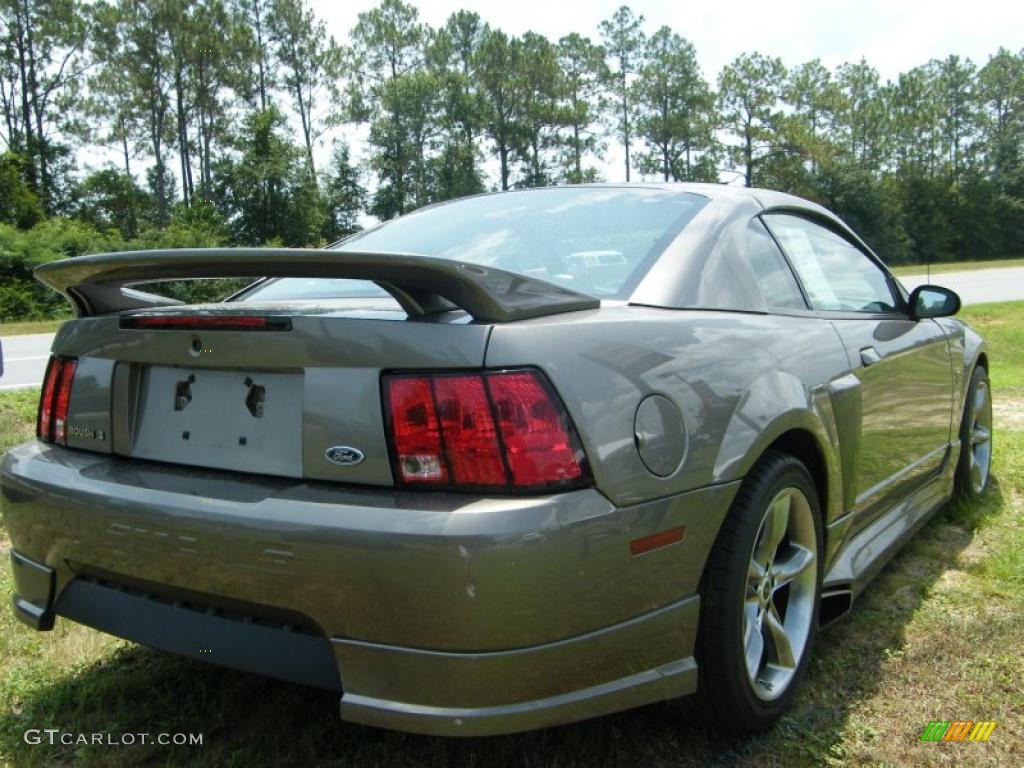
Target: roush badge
344,455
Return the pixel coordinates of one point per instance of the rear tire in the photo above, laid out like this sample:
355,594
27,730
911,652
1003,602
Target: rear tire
974,467
760,599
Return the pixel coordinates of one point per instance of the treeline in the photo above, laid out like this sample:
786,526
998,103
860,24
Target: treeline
215,110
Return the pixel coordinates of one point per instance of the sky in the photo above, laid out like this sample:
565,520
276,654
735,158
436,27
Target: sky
893,36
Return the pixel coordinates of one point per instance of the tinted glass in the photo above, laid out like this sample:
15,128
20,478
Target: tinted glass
774,277
835,274
596,240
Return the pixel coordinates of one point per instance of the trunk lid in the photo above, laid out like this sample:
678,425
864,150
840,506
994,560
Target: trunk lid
270,402
286,388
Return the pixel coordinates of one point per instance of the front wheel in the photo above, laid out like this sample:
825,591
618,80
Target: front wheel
762,584
972,471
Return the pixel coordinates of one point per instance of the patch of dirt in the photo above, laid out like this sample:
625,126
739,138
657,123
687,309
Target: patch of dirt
905,598
1008,413
952,579
974,552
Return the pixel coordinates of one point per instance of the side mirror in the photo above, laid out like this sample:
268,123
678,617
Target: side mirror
932,301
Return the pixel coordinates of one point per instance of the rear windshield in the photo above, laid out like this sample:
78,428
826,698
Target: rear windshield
596,240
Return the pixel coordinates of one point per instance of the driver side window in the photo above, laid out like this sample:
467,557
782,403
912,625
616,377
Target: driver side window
835,274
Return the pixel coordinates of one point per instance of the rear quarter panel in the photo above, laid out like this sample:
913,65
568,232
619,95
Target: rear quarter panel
739,379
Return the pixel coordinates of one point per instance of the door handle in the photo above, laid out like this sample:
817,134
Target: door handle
869,356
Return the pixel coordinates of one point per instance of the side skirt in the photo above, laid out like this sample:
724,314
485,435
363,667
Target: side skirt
861,558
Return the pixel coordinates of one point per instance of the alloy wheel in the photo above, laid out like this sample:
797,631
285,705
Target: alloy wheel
780,593
980,436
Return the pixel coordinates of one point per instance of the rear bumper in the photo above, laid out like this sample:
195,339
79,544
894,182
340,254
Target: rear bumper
438,613
32,600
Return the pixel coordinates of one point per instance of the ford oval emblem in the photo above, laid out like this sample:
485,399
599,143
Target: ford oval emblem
344,455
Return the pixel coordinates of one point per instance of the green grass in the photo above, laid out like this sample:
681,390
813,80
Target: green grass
955,266
936,636
17,416
29,326
1002,325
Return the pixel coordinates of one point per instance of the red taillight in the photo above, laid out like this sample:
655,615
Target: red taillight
537,437
52,423
46,400
501,430
417,438
470,439
63,397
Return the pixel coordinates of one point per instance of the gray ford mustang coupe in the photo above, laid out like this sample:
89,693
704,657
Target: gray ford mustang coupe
502,463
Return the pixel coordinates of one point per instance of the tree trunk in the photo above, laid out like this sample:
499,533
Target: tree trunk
186,173
36,102
625,119
577,152
208,160
124,149
399,178
44,168
156,134
26,110
307,130
625,132
261,63
503,156
535,159
10,117
748,155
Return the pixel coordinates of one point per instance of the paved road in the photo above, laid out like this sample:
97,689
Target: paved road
980,286
25,356
25,360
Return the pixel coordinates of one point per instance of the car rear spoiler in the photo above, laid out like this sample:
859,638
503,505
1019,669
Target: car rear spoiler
422,285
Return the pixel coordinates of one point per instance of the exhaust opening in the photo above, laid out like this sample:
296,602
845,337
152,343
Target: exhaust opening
835,603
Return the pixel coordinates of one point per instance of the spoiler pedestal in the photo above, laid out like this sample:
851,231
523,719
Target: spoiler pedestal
99,284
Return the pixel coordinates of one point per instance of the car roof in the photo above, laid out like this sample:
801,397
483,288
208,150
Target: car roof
767,198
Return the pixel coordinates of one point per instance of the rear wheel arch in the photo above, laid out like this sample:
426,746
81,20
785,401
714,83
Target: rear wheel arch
781,411
800,433
802,445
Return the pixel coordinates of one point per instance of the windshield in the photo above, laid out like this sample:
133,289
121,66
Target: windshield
595,240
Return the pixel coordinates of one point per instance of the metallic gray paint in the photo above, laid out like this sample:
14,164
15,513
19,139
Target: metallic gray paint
740,380
538,596
97,284
34,589
660,434
476,574
525,682
678,678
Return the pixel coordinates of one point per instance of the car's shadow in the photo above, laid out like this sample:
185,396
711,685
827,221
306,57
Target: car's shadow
248,720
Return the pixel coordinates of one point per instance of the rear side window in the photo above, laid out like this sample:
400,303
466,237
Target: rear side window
836,275
774,277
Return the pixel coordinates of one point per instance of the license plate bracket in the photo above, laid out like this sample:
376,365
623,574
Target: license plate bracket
249,421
